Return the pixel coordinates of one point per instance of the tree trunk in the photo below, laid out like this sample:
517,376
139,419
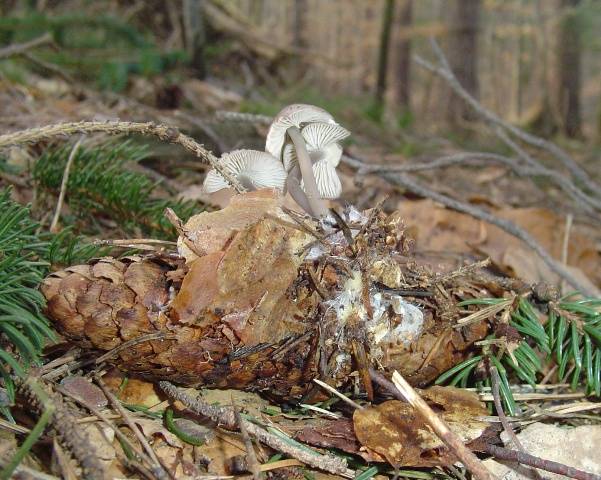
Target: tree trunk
463,54
568,69
195,35
300,23
402,70
383,53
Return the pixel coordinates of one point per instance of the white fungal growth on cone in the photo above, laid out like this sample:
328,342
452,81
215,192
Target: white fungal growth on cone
252,168
393,320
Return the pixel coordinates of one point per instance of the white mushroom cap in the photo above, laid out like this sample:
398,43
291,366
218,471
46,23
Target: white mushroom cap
322,144
253,169
296,115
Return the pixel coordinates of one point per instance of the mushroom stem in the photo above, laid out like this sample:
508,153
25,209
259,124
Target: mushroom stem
317,206
295,190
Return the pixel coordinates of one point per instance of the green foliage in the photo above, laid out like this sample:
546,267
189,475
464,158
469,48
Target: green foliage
571,338
101,49
100,186
26,255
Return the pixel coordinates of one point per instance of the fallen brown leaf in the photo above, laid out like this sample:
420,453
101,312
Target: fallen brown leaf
394,431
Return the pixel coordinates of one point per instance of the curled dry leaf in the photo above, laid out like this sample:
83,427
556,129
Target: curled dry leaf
394,431
442,230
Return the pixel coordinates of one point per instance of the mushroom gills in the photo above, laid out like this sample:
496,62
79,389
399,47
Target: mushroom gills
252,168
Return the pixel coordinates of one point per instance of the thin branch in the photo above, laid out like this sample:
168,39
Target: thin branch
164,133
19,48
509,227
585,202
548,465
135,463
226,418
156,465
65,181
495,380
253,464
405,392
444,71
241,117
341,396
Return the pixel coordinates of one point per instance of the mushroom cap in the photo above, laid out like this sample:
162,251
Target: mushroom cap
253,169
296,114
328,183
322,144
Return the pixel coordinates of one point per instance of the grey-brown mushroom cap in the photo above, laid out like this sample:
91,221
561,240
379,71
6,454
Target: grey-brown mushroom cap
297,115
252,168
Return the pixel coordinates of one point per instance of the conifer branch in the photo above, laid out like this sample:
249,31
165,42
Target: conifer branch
164,133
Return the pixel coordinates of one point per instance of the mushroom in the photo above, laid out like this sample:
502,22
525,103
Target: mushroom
295,115
321,133
253,169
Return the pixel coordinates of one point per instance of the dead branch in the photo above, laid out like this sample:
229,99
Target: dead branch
65,181
509,227
582,200
444,71
495,380
157,467
137,457
531,167
19,48
548,465
63,425
164,133
404,392
226,418
253,464
242,117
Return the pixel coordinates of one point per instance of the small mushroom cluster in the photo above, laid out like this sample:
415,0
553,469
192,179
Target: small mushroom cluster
302,153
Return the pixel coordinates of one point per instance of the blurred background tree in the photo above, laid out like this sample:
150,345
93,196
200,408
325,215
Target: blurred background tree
534,62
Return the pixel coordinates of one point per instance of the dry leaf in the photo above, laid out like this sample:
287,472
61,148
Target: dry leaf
394,431
443,230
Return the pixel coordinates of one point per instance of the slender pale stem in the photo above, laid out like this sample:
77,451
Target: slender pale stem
295,190
316,204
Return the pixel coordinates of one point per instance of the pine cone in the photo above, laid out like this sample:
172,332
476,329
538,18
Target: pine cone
251,311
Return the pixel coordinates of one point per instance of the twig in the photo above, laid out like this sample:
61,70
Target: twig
495,380
19,48
226,418
49,67
130,343
122,437
403,391
536,462
179,228
164,133
65,181
444,71
253,464
227,116
157,467
63,425
582,200
341,396
509,227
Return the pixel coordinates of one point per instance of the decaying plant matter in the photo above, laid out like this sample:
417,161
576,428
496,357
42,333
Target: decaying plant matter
264,300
